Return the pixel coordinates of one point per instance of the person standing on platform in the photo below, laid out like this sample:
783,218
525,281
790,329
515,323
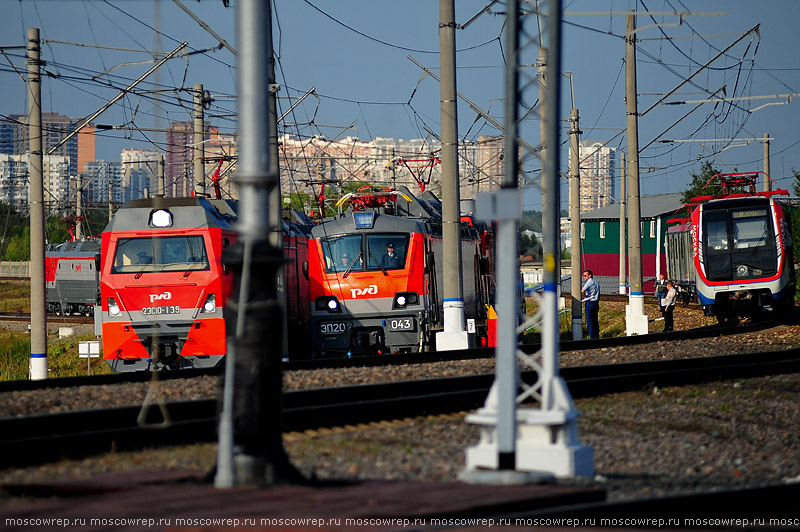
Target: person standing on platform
661,291
591,295
668,306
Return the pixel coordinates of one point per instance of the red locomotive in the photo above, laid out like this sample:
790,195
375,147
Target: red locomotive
163,285
376,275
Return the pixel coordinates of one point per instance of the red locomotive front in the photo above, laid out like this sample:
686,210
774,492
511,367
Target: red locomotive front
163,285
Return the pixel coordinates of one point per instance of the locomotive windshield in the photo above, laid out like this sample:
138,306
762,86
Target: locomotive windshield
160,254
370,252
740,244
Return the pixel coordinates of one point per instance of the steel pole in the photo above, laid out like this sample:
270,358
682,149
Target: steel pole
253,317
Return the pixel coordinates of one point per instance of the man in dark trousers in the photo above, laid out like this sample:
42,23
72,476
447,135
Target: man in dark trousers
661,291
591,295
669,306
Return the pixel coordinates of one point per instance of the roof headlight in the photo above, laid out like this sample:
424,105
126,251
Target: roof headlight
161,218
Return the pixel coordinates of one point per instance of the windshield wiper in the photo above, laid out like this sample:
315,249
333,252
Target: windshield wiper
763,237
141,270
371,254
190,269
352,265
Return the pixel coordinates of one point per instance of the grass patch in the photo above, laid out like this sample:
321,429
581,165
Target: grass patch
62,357
15,296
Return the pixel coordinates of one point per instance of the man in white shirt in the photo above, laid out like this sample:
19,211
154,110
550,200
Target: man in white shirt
591,295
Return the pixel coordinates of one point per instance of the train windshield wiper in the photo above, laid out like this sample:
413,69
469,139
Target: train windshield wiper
371,254
763,237
141,270
352,264
191,268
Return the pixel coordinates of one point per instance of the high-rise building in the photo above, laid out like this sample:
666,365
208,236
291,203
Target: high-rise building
139,173
597,168
179,158
14,186
80,148
98,177
15,181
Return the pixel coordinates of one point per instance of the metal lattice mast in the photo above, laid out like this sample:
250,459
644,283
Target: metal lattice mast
541,439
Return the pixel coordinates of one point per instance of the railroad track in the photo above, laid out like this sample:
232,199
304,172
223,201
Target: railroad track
52,318
385,360
46,437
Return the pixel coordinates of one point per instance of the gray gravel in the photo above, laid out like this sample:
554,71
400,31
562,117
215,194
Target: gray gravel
650,443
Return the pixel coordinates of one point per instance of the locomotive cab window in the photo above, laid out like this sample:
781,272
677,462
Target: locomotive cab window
184,253
386,251
342,253
378,251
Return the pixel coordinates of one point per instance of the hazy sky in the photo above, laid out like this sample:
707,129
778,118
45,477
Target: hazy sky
355,53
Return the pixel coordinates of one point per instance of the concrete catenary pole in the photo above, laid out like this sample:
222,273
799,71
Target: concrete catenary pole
253,320
198,150
454,336
635,318
767,184
38,360
78,207
110,195
623,248
162,179
575,223
541,61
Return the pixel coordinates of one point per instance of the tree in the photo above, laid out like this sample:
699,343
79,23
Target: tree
795,217
700,185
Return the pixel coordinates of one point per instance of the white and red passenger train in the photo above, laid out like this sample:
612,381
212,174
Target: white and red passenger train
741,250
376,275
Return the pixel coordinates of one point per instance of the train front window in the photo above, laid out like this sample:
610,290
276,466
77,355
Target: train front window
342,253
160,254
386,251
750,228
716,232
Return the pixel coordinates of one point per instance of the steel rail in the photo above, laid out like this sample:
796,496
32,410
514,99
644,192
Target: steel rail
47,437
385,360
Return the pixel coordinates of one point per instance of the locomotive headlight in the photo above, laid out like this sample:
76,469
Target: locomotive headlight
113,308
329,303
161,218
403,299
210,304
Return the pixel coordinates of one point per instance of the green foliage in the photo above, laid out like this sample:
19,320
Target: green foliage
529,245
700,185
531,220
19,245
62,357
15,351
